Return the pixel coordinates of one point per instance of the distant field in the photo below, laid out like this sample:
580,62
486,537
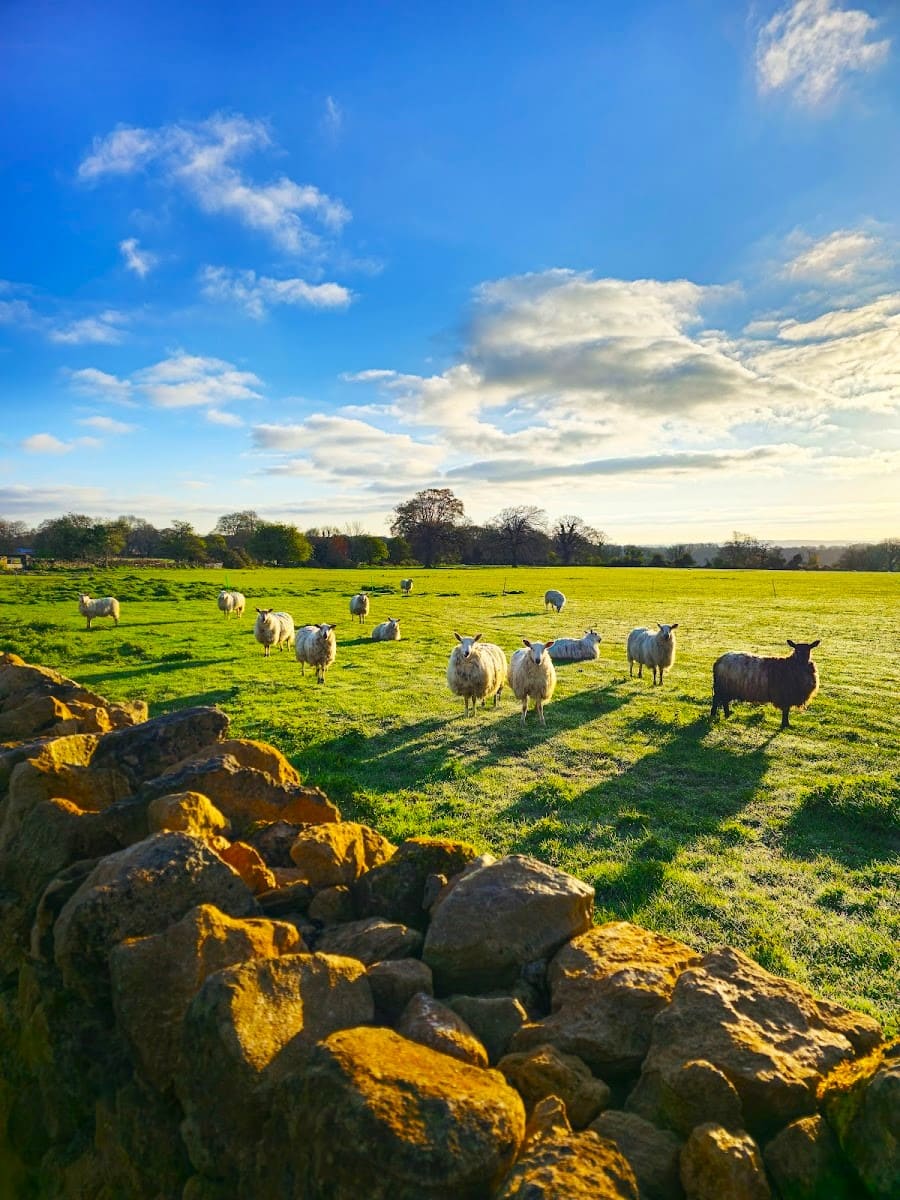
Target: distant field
784,844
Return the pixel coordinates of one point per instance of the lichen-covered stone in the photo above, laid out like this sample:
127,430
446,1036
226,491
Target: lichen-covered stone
498,918
861,1102
248,864
716,1163
493,1019
546,1071
805,1163
376,1115
155,978
427,1021
394,982
607,985
339,852
189,812
332,905
653,1154
697,1093
371,940
136,892
396,890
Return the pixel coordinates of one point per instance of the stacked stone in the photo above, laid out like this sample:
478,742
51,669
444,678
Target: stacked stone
211,985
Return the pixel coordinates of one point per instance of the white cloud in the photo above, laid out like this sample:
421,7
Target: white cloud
200,159
141,262
332,118
808,47
191,381
256,293
106,424
341,448
218,416
102,384
104,329
843,257
47,443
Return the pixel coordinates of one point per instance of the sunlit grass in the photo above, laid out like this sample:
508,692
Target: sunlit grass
784,844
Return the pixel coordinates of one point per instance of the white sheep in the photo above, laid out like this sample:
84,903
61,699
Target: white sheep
387,631
582,649
554,599
654,650
273,629
406,586
106,606
231,602
532,674
476,670
316,645
359,606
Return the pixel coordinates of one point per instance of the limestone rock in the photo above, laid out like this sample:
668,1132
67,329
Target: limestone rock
556,1163
53,834
248,864
136,892
61,768
805,1163
146,751
607,986
652,1153
155,978
235,776
716,1163
696,1094
332,905
338,853
190,812
55,896
273,840
249,1026
427,1021
371,940
394,982
396,890
546,1071
493,1019
31,716
498,918
768,1036
861,1102
385,1118
287,898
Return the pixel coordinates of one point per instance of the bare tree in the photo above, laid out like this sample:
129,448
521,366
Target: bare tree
428,522
573,537
519,528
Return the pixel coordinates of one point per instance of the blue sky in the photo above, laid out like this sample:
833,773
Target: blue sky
637,262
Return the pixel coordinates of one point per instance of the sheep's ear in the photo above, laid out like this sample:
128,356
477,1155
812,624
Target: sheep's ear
552,642
259,610
525,642
812,645
792,644
332,626
675,626
477,637
658,626
456,635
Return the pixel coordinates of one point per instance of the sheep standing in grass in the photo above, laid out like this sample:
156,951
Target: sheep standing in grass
387,631
406,586
273,629
554,599
232,602
316,645
106,606
654,650
476,670
359,606
789,682
583,649
532,674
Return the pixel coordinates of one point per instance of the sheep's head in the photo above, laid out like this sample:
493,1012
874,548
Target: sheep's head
84,598
265,613
467,643
538,649
593,637
666,631
802,650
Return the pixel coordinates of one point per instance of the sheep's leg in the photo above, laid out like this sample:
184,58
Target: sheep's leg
539,705
660,677
726,707
524,709
715,707
116,619
640,670
785,723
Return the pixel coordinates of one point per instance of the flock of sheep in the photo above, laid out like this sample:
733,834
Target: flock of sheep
478,670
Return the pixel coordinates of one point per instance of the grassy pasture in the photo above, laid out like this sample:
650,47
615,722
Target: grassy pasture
784,844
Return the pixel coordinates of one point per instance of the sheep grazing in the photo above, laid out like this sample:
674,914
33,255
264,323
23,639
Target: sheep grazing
359,606
273,629
554,599
387,631
232,602
532,674
106,606
476,670
316,645
789,682
654,650
583,649
406,586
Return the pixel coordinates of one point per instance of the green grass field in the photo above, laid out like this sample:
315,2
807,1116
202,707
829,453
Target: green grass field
783,844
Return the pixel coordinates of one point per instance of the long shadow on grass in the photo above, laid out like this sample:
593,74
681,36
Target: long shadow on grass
198,699
140,669
854,821
642,816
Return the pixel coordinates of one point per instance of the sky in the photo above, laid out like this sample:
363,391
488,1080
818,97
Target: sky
635,262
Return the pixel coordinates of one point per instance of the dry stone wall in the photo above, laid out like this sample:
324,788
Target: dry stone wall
212,986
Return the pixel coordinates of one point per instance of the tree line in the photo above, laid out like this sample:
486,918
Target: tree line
429,529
